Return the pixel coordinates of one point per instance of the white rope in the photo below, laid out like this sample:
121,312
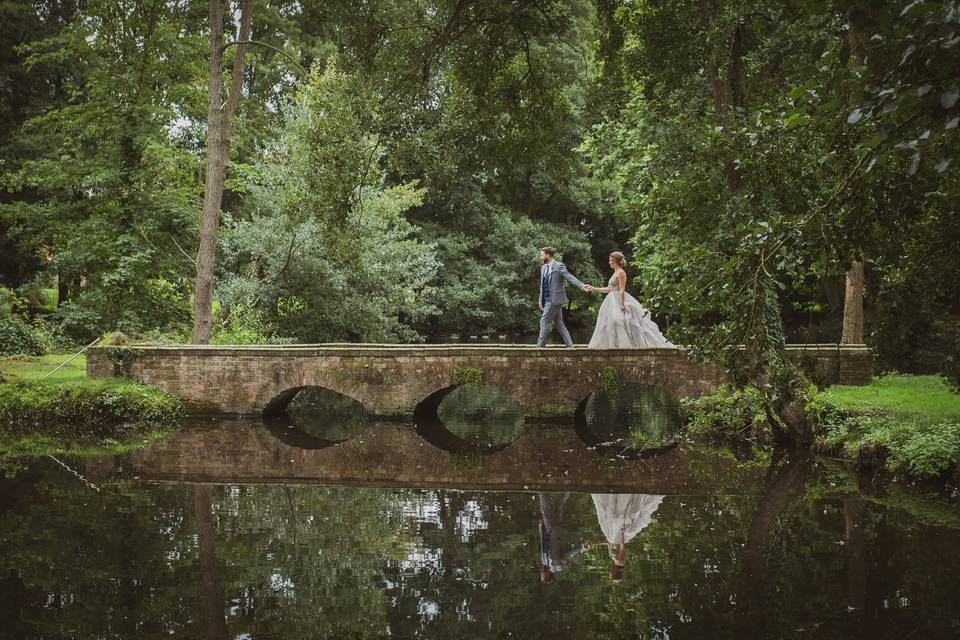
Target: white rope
68,360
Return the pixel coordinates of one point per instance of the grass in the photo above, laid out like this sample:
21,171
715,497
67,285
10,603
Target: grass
909,424
922,399
35,367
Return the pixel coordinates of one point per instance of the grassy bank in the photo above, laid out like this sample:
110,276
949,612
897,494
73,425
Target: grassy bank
70,413
36,367
908,424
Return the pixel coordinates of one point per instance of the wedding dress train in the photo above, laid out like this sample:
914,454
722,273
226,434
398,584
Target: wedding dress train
630,328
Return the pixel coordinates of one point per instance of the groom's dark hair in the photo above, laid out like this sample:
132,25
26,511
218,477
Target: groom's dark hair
550,251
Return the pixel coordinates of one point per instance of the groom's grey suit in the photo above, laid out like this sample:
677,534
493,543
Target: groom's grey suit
554,274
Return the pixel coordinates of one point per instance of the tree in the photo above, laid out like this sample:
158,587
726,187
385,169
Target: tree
219,131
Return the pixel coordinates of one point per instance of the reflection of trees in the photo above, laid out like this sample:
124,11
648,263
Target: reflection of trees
211,591
635,416
481,414
326,415
140,560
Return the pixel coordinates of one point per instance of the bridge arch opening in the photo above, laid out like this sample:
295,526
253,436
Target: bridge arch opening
312,417
469,419
630,420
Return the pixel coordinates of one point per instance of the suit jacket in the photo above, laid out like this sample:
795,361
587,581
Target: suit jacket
557,275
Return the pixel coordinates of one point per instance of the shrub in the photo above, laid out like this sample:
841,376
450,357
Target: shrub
17,337
8,302
730,415
246,325
923,450
952,368
113,338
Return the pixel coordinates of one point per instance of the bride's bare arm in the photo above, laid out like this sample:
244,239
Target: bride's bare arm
622,277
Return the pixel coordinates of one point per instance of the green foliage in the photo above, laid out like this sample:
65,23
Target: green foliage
951,371
489,279
610,381
468,375
245,326
113,339
753,154
731,416
18,337
84,409
922,449
102,164
334,241
122,357
909,423
8,301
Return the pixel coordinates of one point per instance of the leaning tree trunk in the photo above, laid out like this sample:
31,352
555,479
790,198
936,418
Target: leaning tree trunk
219,132
853,304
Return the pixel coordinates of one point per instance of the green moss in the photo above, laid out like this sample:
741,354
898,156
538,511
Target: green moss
468,375
84,411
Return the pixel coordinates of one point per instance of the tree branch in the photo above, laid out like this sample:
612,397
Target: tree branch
260,43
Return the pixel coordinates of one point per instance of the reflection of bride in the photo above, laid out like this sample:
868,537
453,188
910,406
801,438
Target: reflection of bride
622,322
622,516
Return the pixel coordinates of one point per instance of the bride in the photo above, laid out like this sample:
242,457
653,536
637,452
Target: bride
623,323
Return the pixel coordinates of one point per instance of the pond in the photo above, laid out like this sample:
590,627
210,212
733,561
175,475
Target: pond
354,528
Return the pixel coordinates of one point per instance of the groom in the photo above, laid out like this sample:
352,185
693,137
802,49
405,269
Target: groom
553,296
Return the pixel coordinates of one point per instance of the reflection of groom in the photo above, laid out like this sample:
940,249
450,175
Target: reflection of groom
553,274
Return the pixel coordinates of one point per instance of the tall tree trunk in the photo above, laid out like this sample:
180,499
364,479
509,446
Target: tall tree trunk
857,17
219,132
853,304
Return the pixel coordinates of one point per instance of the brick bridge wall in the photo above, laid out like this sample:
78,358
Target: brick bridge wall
391,380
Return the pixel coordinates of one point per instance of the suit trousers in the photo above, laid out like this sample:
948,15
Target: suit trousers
553,314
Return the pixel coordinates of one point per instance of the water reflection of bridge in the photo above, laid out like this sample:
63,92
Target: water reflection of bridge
544,457
391,380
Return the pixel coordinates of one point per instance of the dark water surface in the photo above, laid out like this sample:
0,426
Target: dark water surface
232,530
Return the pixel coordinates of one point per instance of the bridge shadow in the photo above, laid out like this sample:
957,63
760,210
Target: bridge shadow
314,417
469,419
630,420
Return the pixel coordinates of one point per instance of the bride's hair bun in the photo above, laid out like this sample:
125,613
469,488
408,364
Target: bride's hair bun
619,259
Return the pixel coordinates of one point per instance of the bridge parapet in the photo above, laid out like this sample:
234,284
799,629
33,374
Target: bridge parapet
390,380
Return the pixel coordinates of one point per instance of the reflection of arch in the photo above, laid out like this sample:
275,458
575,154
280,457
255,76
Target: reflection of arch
632,420
471,418
312,417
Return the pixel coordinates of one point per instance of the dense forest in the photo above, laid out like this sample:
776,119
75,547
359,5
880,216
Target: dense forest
387,170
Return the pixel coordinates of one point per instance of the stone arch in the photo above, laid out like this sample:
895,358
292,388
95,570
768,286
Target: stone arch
487,430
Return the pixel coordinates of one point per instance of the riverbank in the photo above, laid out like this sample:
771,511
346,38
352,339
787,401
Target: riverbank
70,413
906,424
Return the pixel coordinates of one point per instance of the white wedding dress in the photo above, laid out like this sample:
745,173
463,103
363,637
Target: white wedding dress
628,329
629,513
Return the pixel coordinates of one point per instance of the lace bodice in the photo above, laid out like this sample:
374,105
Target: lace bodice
614,283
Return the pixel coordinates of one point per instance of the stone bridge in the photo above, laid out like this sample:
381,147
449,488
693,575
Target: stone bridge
391,380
